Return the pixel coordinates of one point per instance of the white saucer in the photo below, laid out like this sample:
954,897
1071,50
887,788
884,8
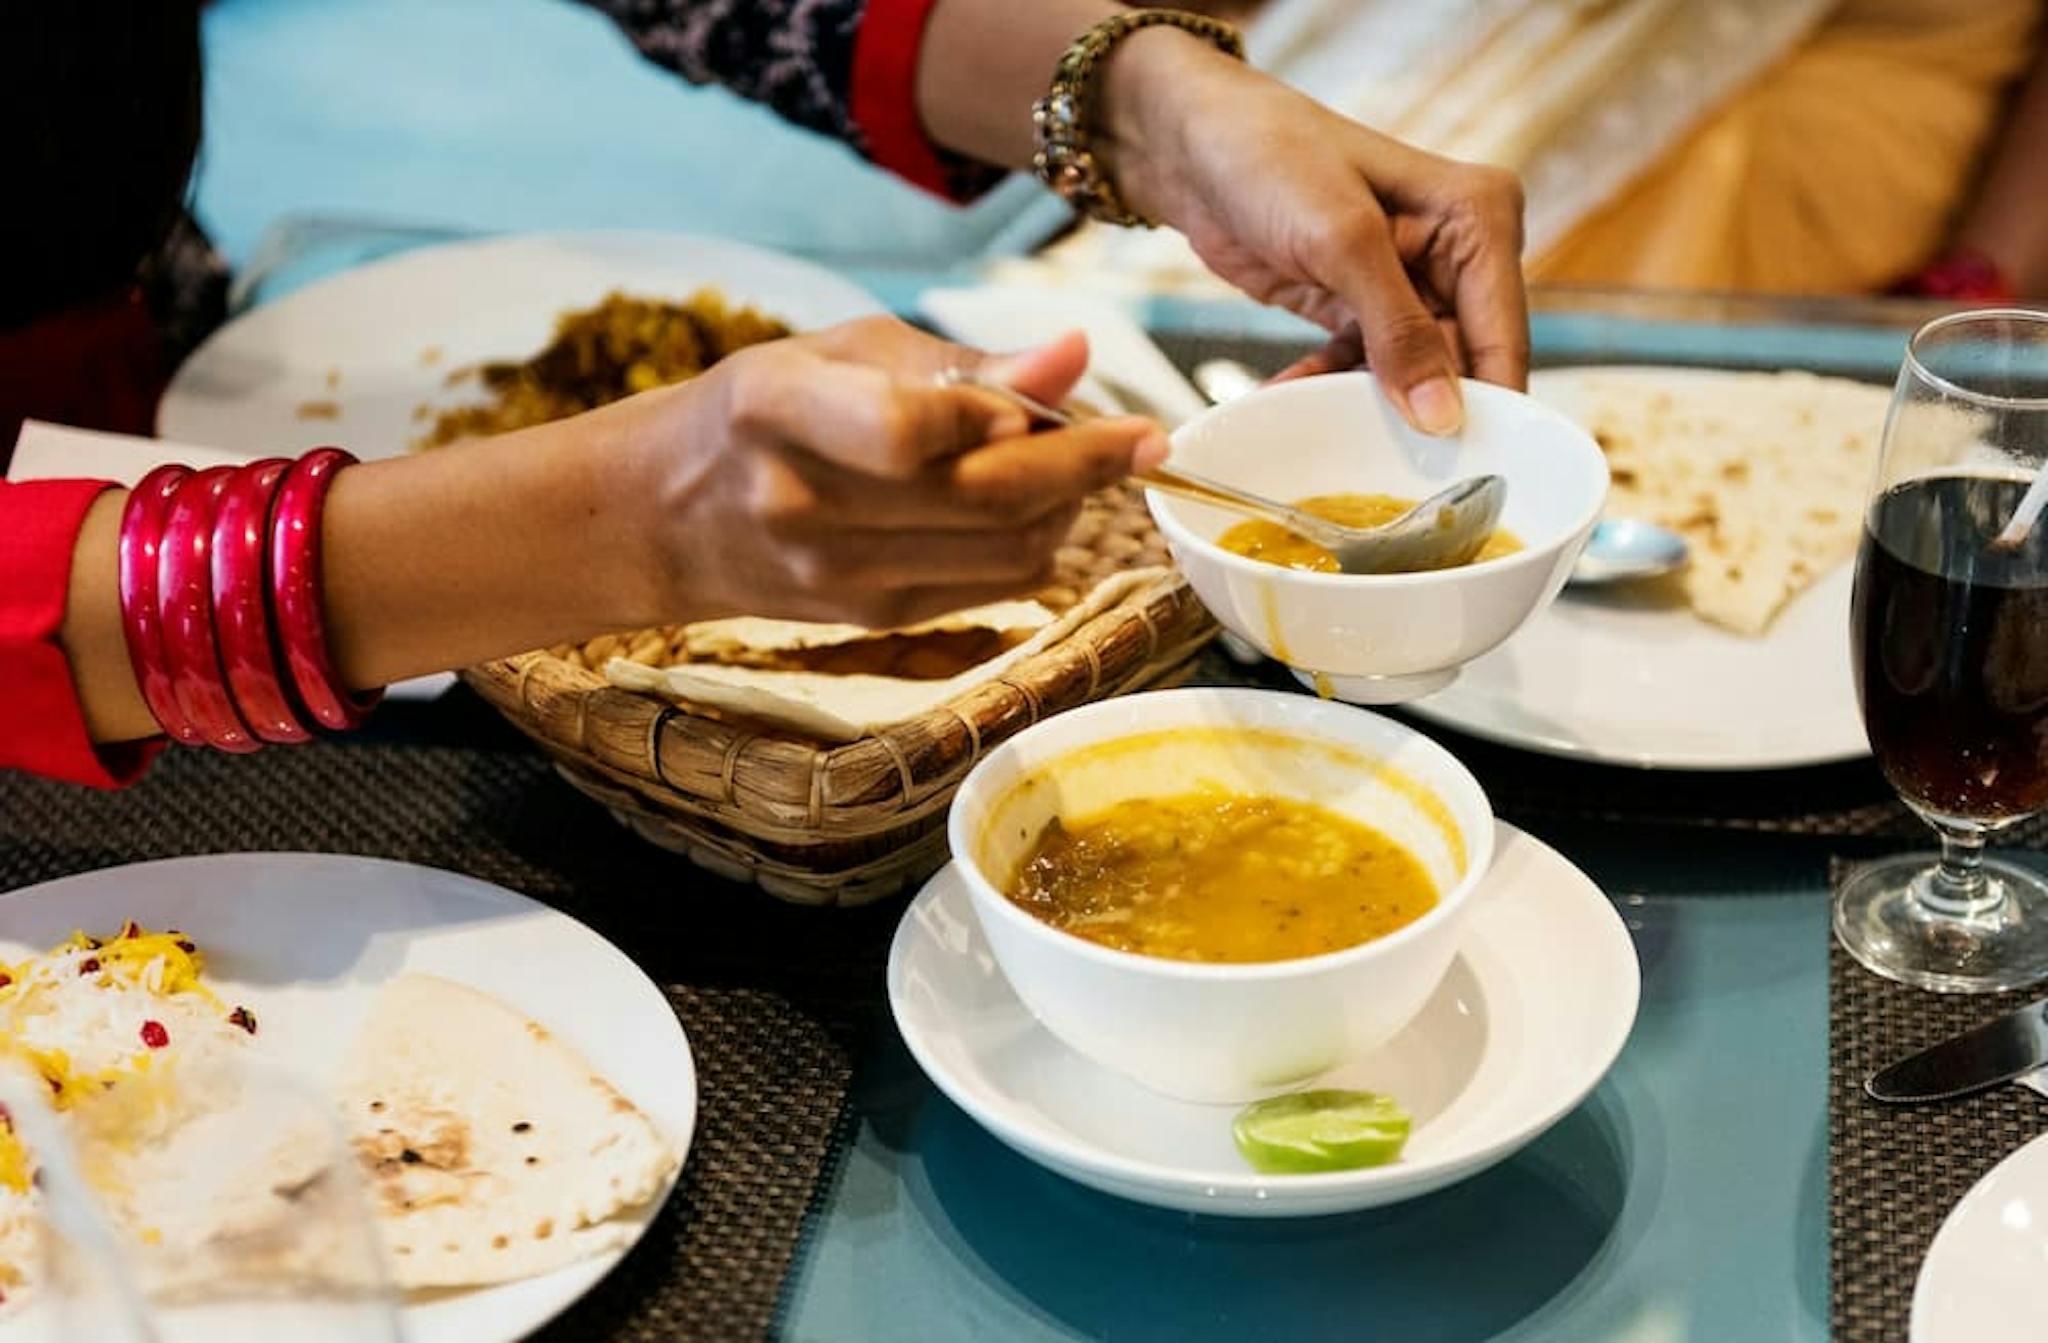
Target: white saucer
1530,1017
1983,1280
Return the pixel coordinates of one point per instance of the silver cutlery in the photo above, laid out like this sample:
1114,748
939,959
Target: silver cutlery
2005,1050
1627,550
1621,550
1446,529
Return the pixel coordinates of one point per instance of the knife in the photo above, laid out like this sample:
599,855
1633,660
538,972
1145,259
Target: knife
2004,1050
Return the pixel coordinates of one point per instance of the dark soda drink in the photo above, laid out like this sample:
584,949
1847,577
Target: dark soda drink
1951,643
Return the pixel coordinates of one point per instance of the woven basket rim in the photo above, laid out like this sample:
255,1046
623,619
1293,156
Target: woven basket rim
579,704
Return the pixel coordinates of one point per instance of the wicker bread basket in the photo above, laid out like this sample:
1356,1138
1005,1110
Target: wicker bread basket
840,823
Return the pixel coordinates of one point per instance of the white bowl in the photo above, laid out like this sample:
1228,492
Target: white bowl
1385,638
1208,1031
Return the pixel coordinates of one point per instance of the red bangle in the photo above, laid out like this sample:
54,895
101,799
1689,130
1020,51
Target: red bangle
185,607
142,531
295,591
1962,276
241,618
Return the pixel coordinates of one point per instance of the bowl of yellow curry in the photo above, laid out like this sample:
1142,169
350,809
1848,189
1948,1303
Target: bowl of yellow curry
1221,893
1335,446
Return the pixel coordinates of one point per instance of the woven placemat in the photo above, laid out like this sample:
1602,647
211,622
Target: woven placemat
775,999
1894,1172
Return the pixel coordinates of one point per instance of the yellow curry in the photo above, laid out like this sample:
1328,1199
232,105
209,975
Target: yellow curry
1273,544
1216,876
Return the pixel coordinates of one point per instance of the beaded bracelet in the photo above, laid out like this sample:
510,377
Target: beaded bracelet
1062,121
295,592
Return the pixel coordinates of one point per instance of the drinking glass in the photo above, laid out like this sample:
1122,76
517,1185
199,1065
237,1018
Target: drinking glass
1950,637
257,1228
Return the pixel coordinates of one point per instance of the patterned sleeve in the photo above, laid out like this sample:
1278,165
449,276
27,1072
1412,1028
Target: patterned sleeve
843,68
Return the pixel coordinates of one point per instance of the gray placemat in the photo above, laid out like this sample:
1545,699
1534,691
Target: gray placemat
1894,1172
774,999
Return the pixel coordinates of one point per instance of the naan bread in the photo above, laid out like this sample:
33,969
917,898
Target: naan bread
1765,474
844,708
490,1149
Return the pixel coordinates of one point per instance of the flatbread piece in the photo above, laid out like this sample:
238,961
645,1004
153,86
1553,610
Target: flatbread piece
490,1148
1764,474
846,707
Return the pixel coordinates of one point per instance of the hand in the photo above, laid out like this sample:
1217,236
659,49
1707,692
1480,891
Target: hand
829,477
1411,262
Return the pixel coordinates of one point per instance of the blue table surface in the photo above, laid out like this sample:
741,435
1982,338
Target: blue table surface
1685,1200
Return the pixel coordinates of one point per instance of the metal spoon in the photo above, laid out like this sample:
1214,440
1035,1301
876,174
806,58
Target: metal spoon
1221,380
1442,531
1624,550
1621,550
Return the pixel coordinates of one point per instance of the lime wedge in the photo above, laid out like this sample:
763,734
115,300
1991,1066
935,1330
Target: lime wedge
1312,1131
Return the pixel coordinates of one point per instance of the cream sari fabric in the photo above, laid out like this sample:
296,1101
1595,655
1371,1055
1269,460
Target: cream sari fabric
1816,145
1578,96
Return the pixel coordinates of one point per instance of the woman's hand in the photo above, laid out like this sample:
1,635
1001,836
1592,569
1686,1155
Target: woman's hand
1305,209
1284,198
830,477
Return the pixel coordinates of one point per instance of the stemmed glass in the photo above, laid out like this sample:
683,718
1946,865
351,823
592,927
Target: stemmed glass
1950,635
257,1228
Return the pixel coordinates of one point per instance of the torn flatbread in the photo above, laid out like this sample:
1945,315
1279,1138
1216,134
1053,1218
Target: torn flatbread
490,1148
845,707
742,636
1764,474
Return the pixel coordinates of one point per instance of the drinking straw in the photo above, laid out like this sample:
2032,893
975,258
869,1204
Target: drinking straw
2021,524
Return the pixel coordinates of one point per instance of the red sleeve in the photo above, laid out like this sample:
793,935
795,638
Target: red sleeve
42,728
883,98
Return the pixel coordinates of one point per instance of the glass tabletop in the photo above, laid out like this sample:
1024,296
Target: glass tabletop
1687,1198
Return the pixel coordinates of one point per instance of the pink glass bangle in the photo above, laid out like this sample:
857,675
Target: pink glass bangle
142,531
241,615
1963,275
295,591
184,602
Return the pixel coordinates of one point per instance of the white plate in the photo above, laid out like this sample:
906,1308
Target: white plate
1601,677
497,298
304,940
1985,1278
1527,1022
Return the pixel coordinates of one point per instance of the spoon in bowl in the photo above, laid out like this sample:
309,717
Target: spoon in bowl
1444,530
1621,550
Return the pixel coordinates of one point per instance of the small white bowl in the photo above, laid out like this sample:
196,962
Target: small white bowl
1383,638
1207,1031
